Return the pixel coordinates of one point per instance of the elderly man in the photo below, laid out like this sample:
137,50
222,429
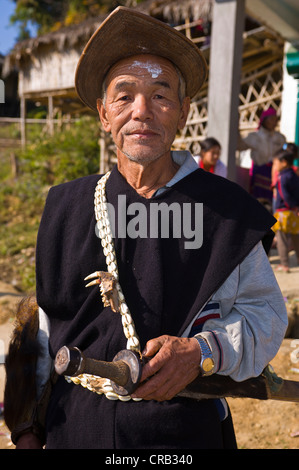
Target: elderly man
199,298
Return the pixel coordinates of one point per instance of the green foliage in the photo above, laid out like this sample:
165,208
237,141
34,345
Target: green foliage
69,154
39,12
39,112
51,15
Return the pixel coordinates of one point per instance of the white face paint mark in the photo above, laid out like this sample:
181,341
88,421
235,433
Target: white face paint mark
154,69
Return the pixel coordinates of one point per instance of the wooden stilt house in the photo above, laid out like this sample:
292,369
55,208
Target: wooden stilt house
47,64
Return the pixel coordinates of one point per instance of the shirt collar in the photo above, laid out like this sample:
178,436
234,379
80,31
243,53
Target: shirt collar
187,165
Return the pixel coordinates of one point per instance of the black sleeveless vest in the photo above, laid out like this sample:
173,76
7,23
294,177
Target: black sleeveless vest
164,284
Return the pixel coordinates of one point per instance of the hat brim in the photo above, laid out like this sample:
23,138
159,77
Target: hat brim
126,32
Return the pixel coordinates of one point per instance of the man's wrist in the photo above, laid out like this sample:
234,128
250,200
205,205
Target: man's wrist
207,362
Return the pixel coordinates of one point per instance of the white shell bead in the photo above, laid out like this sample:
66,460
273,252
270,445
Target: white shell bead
132,342
126,320
124,398
131,330
111,396
124,308
106,251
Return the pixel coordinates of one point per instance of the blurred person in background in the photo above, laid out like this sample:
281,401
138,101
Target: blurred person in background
263,144
209,159
286,208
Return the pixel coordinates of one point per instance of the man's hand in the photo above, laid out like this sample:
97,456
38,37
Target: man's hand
175,363
28,441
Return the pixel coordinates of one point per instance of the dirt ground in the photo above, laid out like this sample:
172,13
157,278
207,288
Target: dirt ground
259,424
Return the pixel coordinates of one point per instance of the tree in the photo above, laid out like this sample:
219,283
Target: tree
50,15
39,12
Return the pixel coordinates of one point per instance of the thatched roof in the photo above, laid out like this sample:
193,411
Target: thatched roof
171,11
67,37
174,11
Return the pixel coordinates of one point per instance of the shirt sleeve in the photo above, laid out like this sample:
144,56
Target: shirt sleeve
248,335
220,169
44,363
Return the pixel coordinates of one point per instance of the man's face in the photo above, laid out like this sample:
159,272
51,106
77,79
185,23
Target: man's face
142,109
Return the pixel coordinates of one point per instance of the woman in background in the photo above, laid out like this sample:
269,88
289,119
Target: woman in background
264,144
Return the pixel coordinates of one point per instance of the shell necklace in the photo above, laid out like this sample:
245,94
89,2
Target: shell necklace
93,383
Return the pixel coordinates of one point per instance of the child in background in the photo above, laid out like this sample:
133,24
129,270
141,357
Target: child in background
291,148
294,150
286,208
210,150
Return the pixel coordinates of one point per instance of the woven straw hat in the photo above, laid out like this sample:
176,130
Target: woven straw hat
125,33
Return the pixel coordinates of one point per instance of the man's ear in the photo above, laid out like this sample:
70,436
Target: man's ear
184,113
103,115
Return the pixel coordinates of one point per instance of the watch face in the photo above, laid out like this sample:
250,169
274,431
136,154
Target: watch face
208,364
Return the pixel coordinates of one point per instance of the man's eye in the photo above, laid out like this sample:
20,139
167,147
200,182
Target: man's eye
124,98
159,97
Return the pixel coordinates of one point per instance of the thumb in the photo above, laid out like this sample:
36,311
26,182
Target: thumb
153,346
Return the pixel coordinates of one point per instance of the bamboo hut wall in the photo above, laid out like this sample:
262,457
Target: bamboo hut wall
48,71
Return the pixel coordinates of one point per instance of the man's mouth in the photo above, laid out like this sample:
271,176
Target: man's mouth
143,133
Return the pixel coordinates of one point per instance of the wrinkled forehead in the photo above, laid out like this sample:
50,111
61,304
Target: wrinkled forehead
142,65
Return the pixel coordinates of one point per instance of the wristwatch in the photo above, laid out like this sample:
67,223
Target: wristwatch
207,363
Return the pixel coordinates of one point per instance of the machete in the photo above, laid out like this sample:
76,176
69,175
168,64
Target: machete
125,372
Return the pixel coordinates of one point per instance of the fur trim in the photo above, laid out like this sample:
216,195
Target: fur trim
20,366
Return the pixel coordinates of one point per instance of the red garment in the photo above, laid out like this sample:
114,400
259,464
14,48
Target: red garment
211,170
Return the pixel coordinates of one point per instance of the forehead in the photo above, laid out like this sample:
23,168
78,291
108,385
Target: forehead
271,119
143,66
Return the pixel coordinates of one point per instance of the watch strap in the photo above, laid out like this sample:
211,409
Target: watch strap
207,363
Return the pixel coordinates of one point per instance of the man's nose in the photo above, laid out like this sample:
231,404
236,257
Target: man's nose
142,110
